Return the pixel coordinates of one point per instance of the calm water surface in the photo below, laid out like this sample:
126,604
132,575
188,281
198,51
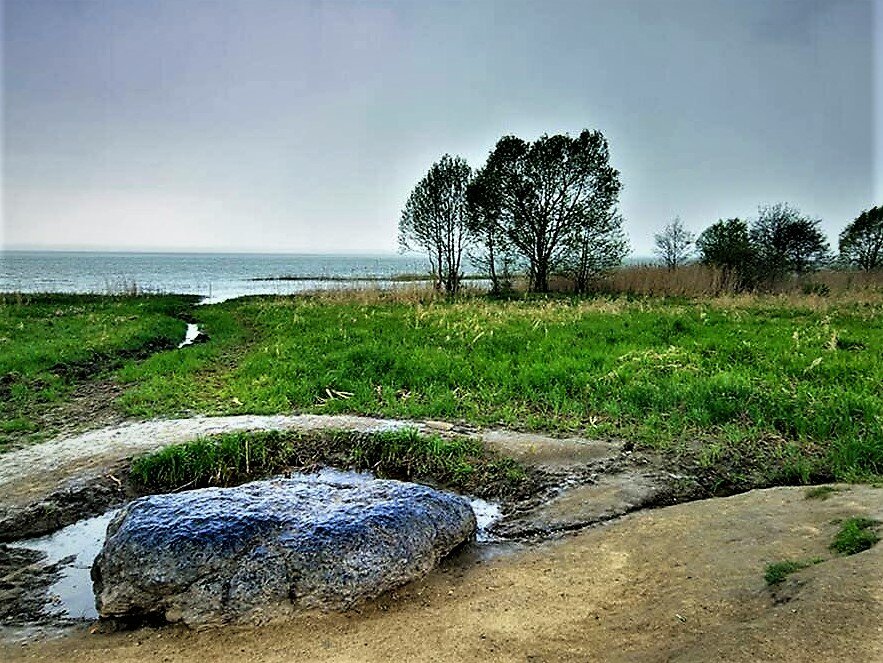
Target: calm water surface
215,276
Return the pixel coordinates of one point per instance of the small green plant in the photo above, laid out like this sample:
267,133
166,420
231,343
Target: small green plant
777,571
820,492
855,535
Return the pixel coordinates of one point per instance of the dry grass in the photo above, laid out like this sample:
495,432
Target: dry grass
370,294
654,281
706,281
815,291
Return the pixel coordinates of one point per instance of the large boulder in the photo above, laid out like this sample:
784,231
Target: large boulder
270,549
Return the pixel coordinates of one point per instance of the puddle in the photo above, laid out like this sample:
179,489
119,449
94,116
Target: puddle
486,514
190,335
75,547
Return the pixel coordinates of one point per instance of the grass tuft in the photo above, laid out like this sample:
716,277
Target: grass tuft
855,536
821,492
776,572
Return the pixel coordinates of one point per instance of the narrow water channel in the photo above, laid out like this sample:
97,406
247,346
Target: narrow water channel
190,335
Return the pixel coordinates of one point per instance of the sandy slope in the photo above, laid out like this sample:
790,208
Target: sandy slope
684,583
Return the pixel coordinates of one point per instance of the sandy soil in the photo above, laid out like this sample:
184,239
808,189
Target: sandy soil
683,583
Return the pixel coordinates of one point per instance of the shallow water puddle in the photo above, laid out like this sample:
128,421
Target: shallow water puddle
190,335
486,514
76,547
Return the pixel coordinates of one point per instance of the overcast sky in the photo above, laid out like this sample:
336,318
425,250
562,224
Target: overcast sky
302,126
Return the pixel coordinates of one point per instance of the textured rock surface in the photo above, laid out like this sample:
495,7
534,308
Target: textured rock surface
269,549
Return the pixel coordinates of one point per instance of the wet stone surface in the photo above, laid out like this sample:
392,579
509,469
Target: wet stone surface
46,580
270,549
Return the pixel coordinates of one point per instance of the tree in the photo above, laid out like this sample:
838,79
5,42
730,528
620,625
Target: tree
492,252
598,247
674,244
861,242
787,242
548,194
726,244
435,219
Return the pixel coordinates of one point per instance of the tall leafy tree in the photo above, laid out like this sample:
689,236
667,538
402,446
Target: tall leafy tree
674,245
550,193
726,244
598,247
492,252
861,242
787,242
435,220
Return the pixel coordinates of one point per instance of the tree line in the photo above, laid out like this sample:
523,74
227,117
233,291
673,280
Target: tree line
550,207
781,241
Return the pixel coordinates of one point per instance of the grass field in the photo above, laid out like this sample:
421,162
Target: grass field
792,385
50,343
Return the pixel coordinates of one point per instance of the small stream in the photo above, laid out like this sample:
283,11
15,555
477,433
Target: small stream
75,547
190,335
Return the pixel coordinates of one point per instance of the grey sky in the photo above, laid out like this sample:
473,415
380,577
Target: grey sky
302,126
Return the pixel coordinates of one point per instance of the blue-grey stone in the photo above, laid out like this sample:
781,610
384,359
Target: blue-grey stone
270,549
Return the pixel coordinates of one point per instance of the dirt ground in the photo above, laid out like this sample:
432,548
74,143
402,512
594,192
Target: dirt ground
682,583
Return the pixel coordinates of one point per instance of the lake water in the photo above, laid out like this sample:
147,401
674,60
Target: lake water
214,276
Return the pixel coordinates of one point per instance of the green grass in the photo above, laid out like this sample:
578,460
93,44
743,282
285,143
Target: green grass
230,459
855,535
50,343
792,393
777,572
755,390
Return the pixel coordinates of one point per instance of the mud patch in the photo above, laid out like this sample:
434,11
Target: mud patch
24,579
608,497
90,404
82,496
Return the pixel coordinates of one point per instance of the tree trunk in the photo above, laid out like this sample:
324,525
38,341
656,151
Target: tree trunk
541,276
492,270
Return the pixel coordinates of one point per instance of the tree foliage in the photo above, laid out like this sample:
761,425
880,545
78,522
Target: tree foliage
492,252
726,244
674,245
787,242
435,220
597,248
546,198
861,242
